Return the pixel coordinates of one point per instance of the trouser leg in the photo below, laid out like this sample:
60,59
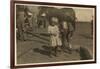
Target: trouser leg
55,50
63,39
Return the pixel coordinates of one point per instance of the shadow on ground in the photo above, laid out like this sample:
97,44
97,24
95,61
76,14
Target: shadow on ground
49,51
45,50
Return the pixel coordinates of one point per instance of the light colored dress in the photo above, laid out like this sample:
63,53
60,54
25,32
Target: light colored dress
55,37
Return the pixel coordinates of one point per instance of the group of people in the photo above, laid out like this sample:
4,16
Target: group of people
59,34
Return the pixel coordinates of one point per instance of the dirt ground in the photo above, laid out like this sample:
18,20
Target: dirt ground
36,48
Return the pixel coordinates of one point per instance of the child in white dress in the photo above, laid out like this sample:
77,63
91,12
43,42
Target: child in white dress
54,32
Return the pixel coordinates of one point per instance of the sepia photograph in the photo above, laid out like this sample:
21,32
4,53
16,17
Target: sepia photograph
52,34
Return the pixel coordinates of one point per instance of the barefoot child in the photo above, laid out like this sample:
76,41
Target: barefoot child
54,32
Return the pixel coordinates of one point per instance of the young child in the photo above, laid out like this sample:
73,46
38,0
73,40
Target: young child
54,32
66,33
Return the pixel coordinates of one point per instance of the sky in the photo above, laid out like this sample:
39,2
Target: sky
84,14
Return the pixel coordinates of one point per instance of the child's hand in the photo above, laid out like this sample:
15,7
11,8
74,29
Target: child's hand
60,36
54,34
51,34
62,30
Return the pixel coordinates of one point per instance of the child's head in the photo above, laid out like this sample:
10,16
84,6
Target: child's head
64,21
54,20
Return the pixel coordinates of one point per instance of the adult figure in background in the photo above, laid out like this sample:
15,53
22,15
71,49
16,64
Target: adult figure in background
43,15
41,20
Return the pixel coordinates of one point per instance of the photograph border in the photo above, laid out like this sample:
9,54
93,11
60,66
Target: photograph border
12,34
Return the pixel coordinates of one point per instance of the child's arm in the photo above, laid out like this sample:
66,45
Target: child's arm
49,31
57,30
